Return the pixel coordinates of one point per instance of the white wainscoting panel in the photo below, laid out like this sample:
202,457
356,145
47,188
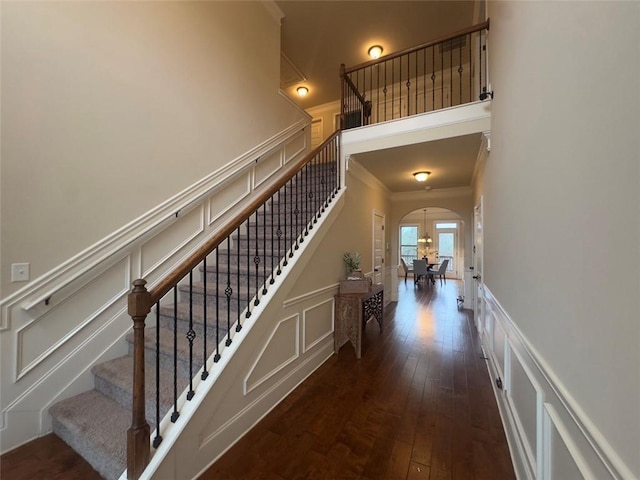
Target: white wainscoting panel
37,340
280,350
228,195
295,147
550,436
317,324
161,247
267,167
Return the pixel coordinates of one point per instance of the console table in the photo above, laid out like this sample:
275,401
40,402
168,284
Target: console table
352,312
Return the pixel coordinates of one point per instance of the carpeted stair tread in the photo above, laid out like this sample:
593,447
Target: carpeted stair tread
198,312
114,379
96,427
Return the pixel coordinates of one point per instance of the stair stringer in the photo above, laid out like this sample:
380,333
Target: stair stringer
227,404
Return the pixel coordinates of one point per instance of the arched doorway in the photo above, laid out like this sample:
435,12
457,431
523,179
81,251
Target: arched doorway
436,233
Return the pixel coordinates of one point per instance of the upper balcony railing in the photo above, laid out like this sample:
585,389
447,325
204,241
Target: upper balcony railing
443,73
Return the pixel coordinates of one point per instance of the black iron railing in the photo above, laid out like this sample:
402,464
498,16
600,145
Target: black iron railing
443,73
199,304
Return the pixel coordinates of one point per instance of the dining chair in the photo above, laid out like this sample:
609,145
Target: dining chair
407,269
419,270
441,272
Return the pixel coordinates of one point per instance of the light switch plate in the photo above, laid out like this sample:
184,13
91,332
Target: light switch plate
19,272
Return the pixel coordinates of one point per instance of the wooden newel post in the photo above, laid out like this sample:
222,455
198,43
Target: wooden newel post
138,449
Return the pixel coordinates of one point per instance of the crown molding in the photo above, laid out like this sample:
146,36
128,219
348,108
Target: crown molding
364,175
274,10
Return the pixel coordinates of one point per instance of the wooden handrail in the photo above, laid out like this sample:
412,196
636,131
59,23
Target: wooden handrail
157,292
391,56
354,89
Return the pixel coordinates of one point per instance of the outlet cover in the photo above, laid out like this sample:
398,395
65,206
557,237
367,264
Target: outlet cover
19,272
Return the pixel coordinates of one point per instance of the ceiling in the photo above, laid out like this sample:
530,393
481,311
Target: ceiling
450,161
319,35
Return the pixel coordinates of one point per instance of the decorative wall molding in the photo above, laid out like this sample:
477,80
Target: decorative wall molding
310,343
320,292
278,334
50,325
544,404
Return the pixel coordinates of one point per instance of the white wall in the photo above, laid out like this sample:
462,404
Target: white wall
561,224
109,108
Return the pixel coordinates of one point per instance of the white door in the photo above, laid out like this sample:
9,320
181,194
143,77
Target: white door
378,247
478,304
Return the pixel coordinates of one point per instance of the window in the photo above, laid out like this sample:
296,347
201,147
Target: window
446,237
442,225
409,243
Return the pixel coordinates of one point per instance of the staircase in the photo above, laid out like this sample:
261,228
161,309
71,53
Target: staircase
95,423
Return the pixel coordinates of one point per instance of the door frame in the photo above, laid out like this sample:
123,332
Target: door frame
376,213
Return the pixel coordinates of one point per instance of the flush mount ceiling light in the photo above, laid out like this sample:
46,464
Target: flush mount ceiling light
375,51
302,91
421,176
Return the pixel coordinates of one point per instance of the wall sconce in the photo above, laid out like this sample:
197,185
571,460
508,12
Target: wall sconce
302,91
421,176
375,51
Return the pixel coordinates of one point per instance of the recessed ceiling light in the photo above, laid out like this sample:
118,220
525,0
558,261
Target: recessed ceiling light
302,91
375,51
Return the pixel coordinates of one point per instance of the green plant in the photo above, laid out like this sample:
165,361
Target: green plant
352,262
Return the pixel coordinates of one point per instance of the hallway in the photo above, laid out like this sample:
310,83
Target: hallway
418,405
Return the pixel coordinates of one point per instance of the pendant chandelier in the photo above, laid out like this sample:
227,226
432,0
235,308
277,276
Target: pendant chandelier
425,238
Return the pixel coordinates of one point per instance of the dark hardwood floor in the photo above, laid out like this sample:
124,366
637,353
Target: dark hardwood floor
418,405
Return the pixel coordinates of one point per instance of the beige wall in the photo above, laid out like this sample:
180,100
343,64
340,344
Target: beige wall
110,108
561,195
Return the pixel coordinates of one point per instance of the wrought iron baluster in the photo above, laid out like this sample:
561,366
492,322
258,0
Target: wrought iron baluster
451,75
400,86
460,69
417,83
424,80
296,211
393,87
216,357
248,314
238,295
279,235
191,335
433,76
273,254
264,246
256,262
158,438
385,90
228,291
470,69
308,200
175,414
205,372
284,189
